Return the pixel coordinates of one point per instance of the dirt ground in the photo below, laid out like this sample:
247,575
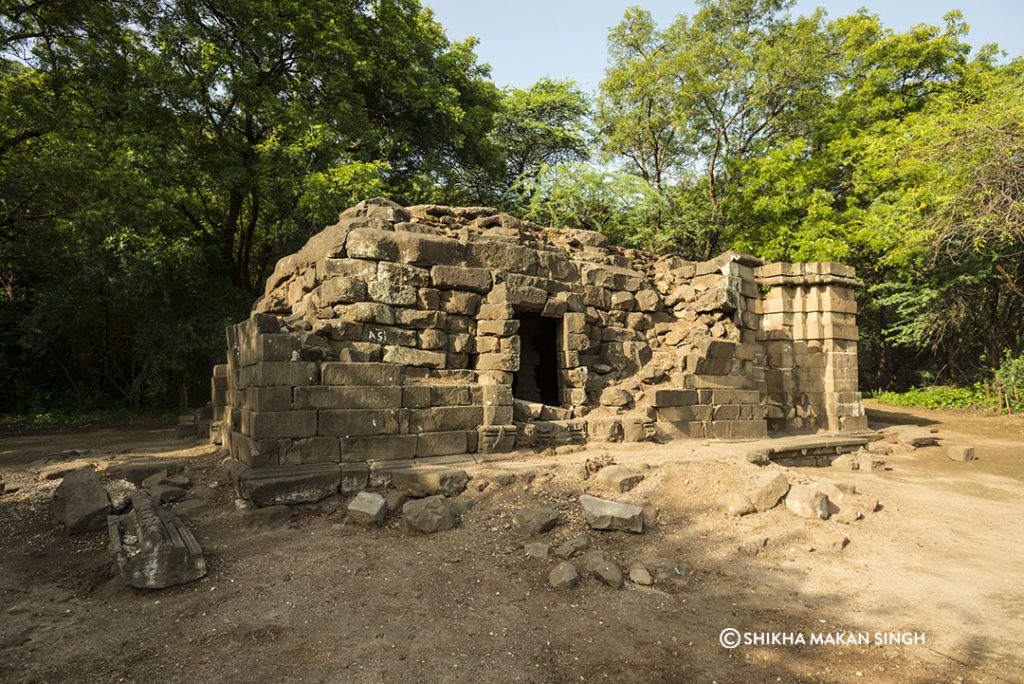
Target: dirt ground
322,600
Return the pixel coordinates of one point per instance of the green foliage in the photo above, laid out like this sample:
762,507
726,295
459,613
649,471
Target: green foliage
1009,379
157,158
937,397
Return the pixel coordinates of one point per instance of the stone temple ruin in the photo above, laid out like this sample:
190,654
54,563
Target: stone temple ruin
401,336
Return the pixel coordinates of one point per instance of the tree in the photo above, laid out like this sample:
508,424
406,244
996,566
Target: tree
685,107
154,152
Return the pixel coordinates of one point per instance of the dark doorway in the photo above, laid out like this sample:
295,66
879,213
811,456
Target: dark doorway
537,378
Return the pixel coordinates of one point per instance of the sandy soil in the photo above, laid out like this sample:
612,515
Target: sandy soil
322,600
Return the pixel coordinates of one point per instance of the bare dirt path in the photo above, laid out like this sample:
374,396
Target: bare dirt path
321,600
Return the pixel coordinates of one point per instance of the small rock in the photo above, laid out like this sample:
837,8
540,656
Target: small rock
432,514
535,520
574,471
537,549
770,488
602,514
610,574
638,575
120,494
752,547
563,576
617,478
960,452
663,569
869,464
807,502
268,517
736,504
368,508
80,502
846,462
570,548
615,396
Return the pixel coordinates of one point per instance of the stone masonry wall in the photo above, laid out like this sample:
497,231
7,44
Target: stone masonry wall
392,338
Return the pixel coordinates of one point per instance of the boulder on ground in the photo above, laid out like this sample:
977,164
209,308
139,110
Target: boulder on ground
368,508
601,566
602,514
617,478
807,502
80,502
535,520
638,575
563,576
736,504
960,452
771,486
420,482
432,514
846,462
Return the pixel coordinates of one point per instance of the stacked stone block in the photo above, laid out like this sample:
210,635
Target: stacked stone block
810,336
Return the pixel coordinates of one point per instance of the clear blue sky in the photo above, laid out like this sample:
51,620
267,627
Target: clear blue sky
524,40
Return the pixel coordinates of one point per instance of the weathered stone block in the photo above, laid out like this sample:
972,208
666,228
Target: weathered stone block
441,443
80,502
408,356
361,423
279,424
807,502
673,397
345,397
771,486
288,484
738,429
602,514
273,374
379,448
267,398
461,278
446,419
432,514
429,481
165,553
361,374
368,508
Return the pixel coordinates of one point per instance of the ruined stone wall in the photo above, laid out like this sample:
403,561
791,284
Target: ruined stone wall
393,337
